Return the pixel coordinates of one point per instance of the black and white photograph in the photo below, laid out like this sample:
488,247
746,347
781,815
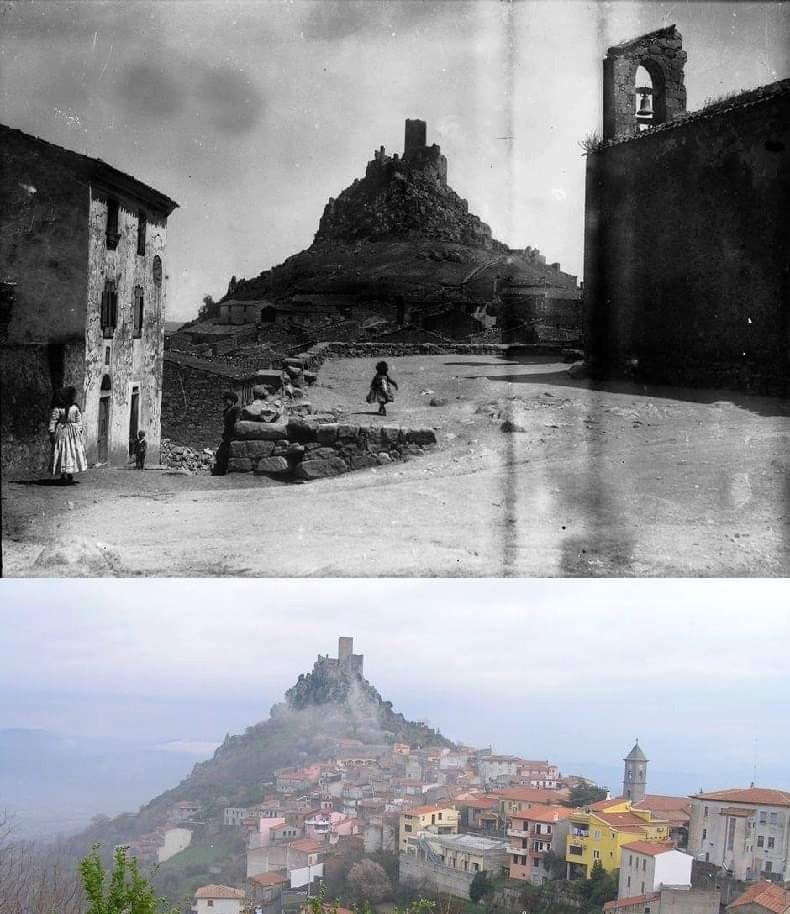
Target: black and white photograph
394,289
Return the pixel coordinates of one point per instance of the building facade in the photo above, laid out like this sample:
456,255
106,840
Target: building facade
82,300
686,263
744,831
532,834
646,866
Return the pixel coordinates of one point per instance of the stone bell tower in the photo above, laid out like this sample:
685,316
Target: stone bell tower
635,775
661,54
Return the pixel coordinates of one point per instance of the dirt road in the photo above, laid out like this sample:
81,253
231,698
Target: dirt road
617,481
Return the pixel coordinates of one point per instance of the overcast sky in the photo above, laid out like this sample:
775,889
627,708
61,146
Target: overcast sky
251,115
572,671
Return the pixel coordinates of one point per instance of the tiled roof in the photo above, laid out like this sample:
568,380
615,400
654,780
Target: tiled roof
650,848
218,891
747,99
622,820
544,813
94,168
763,796
478,802
769,896
306,845
530,794
269,879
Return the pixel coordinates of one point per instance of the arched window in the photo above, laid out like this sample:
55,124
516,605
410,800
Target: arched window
106,383
649,95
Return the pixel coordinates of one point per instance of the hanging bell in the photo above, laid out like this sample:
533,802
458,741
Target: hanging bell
645,104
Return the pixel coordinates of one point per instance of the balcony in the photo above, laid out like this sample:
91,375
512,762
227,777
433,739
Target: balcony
517,833
575,850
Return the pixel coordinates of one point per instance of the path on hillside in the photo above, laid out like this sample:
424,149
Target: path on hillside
619,482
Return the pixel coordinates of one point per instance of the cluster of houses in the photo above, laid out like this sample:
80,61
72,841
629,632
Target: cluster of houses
450,814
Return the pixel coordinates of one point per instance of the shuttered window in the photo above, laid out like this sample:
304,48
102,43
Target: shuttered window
109,309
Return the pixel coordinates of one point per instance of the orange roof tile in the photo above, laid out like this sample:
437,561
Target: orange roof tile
625,820
769,896
543,813
218,891
765,796
531,794
306,845
651,848
270,878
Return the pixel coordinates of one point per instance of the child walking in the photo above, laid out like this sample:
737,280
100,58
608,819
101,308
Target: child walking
140,448
381,388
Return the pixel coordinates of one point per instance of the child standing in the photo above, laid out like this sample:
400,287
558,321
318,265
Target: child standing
66,437
381,388
140,447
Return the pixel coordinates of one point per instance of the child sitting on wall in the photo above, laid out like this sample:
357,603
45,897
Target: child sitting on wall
140,447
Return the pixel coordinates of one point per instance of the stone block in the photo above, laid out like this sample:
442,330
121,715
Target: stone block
301,431
294,451
237,449
327,434
383,458
260,431
257,449
323,453
271,465
390,433
347,432
239,465
319,469
420,436
362,461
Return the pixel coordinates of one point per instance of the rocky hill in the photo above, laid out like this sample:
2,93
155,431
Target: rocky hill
398,243
332,707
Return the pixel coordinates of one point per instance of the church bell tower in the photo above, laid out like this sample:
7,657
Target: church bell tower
635,775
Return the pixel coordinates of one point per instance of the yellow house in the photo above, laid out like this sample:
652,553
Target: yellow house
439,820
598,832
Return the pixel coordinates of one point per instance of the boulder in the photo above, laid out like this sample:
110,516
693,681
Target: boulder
323,453
239,465
261,431
262,411
347,432
319,469
271,465
252,449
362,461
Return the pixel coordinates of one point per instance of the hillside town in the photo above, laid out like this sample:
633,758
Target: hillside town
472,826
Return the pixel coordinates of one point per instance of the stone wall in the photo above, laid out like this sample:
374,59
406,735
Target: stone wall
192,406
686,248
305,449
436,877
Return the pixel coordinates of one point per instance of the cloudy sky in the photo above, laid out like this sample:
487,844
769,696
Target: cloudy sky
572,671
252,114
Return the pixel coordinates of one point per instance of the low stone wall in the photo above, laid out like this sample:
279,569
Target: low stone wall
313,358
304,449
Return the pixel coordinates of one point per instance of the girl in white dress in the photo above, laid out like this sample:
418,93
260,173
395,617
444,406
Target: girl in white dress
66,438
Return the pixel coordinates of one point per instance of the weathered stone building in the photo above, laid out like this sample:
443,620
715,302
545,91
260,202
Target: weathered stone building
83,276
686,232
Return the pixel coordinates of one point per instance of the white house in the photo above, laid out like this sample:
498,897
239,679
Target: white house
218,899
646,866
744,830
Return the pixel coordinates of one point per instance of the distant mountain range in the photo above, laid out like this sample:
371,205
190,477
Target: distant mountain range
50,784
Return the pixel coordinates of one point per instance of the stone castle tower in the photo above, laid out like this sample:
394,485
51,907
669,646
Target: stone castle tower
635,775
346,658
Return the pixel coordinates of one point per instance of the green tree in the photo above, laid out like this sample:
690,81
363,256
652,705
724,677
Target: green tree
586,795
598,889
123,891
480,886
